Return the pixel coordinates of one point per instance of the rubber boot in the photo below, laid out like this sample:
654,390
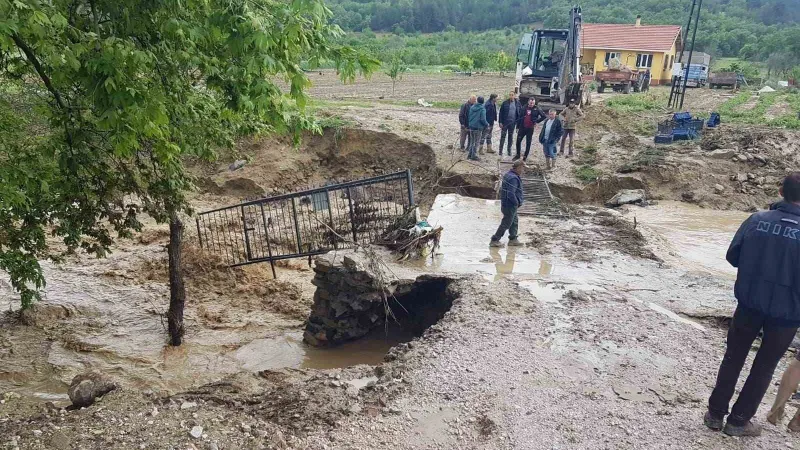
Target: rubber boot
553,163
548,163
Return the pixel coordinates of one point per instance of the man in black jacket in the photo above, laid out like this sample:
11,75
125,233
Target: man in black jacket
526,124
766,251
510,110
463,119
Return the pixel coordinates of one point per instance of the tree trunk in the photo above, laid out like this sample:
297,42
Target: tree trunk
393,83
177,291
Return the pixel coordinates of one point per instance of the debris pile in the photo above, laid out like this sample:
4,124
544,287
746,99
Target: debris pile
409,238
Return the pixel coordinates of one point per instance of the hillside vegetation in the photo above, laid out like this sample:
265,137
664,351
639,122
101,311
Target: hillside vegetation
752,29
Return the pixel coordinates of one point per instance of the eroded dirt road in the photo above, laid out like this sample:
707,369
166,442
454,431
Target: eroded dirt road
566,343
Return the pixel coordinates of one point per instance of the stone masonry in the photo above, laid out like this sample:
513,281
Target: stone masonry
348,303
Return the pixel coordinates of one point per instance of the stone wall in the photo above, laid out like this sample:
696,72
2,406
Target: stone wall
348,303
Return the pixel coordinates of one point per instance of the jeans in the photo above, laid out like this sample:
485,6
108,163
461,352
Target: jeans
474,139
464,136
486,138
743,331
550,150
507,130
526,133
509,223
571,134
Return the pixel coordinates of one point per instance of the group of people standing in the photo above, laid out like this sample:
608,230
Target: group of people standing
478,117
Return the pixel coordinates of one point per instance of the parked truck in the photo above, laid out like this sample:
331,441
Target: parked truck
549,66
726,79
624,80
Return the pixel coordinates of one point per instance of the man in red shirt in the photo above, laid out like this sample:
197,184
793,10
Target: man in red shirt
531,115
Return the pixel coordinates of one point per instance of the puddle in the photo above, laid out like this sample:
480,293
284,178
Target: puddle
698,235
290,351
361,383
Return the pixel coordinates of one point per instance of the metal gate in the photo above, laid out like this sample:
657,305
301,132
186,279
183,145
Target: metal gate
306,223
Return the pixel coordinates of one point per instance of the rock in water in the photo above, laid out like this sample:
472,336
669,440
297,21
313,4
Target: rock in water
627,197
88,387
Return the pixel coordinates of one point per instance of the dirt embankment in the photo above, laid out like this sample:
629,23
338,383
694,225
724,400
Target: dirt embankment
273,166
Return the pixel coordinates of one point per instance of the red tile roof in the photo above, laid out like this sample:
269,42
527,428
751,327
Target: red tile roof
650,38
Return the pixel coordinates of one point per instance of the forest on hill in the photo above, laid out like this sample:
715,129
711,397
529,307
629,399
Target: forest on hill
750,29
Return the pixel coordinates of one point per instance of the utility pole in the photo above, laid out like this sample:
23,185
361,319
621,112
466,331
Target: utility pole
676,88
691,52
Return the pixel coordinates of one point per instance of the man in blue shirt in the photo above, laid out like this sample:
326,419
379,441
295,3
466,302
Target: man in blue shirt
766,251
511,199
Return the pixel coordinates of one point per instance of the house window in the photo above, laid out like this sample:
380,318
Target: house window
666,62
644,61
612,55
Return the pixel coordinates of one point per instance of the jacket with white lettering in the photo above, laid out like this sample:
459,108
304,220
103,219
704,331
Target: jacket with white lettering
766,250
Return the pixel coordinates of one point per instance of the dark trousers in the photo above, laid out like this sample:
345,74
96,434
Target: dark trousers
507,130
486,138
509,223
571,135
744,329
526,133
463,137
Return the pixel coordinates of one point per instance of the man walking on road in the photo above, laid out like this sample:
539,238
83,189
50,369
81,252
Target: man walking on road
531,115
463,119
549,136
477,125
510,110
511,199
491,117
571,115
766,250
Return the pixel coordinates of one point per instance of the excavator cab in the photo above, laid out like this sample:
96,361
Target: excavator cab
551,65
547,53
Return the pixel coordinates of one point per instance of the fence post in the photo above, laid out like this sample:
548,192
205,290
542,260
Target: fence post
266,236
246,237
333,225
352,214
410,184
296,227
199,236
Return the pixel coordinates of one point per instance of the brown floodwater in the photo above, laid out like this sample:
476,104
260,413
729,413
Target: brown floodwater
697,235
92,321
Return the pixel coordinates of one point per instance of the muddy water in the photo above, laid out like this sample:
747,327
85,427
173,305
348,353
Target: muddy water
697,235
88,320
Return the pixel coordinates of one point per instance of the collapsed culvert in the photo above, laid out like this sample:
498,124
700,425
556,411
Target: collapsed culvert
352,301
469,185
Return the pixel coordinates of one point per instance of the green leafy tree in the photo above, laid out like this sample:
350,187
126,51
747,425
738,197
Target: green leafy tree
502,62
134,88
395,70
465,64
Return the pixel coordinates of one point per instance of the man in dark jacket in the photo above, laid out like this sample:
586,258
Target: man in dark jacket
526,123
510,110
463,119
552,130
766,250
511,199
491,117
477,124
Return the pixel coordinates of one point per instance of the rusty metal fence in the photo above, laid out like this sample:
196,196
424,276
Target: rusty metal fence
306,223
